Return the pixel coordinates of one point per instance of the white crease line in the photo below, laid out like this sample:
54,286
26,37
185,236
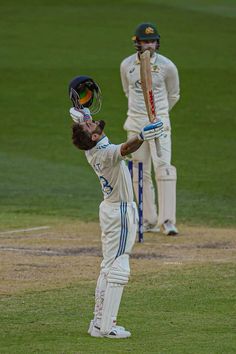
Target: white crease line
25,230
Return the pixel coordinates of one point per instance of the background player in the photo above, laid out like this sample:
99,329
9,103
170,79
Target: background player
117,213
166,91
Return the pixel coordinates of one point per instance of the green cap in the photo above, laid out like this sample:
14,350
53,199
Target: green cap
146,31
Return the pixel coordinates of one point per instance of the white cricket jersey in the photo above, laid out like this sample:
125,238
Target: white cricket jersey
110,167
165,82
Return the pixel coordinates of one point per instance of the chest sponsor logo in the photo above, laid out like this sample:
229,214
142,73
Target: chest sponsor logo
132,70
137,86
97,167
155,69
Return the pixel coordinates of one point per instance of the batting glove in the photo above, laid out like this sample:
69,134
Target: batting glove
80,115
152,131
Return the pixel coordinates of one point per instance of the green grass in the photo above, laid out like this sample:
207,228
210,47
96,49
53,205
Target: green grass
45,179
45,44
181,310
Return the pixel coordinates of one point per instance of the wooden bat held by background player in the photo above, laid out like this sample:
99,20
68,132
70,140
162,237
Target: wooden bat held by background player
146,83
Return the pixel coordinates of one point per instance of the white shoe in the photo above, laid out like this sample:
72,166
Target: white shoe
92,324
169,229
150,228
114,333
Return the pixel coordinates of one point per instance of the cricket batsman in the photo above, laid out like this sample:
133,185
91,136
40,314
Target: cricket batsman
117,212
165,82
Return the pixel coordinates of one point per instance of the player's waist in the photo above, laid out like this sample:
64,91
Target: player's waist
118,204
138,115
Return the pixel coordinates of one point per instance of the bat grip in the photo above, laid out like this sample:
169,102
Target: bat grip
157,141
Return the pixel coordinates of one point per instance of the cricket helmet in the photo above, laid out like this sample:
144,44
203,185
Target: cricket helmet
145,32
84,92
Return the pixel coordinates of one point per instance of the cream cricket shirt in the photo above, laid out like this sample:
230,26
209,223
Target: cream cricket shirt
165,81
110,167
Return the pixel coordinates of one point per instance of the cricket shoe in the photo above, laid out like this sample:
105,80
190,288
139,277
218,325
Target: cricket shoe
91,325
150,228
169,229
116,333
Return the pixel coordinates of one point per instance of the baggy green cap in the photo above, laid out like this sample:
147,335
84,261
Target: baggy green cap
146,31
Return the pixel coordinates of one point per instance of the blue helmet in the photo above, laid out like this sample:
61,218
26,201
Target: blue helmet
84,92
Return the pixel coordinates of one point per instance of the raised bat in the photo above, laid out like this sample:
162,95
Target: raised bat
146,83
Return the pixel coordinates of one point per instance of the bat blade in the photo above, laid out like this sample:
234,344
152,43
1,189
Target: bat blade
146,84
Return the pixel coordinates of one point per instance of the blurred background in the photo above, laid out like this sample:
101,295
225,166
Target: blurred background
43,178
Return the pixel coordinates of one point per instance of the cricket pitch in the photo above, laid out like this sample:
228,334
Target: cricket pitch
69,254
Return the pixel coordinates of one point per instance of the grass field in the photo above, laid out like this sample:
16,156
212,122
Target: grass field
45,45
181,297
47,299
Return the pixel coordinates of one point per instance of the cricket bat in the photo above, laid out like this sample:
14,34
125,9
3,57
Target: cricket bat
146,83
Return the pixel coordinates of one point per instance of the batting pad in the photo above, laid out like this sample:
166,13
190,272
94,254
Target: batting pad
111,306
166,183
99,297
117,277
120,270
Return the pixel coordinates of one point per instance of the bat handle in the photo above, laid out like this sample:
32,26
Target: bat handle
158,147
157,141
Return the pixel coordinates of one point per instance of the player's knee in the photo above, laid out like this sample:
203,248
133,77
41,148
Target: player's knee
120,270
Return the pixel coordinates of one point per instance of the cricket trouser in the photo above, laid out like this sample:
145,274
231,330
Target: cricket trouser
165,175
118,223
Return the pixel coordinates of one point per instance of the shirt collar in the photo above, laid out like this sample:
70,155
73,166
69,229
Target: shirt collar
103,141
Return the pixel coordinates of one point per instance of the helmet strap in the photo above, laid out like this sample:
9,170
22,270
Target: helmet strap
74,96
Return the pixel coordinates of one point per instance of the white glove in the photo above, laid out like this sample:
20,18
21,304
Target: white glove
80,115
152,131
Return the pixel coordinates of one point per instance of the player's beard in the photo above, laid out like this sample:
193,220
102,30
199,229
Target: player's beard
100,127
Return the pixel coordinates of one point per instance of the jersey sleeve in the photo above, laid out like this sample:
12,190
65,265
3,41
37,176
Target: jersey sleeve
172,84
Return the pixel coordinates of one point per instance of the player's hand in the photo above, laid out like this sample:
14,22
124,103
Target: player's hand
80,115
152,131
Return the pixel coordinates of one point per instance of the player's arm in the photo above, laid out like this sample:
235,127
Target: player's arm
131,145
149,132
172,85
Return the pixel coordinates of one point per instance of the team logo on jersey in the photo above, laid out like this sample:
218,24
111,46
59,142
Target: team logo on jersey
155,69
149,30
132,70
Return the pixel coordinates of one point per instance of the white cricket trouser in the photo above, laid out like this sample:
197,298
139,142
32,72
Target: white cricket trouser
118,223
147,154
